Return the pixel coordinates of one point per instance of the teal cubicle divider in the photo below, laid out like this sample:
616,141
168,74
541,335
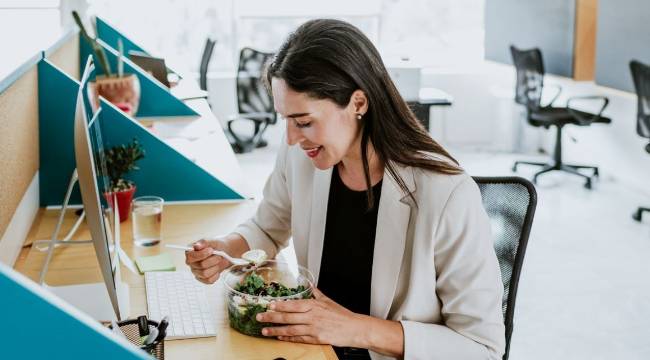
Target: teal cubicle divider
163,172
57,98
155,98
38,325
110,35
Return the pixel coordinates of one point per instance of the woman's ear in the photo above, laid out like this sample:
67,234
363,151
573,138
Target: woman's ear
359,102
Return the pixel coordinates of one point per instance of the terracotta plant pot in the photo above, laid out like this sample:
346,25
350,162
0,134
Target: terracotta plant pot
124,199
123,92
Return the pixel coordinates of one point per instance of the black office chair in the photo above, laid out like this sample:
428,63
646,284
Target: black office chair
530,83
203,72
253,100
641,77
510,204
205,62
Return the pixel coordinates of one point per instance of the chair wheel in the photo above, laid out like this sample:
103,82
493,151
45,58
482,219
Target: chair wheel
588,184
637,216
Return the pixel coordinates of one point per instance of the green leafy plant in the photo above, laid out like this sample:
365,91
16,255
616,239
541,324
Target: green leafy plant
121,160
97,48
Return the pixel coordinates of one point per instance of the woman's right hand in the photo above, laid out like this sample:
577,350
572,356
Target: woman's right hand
205,266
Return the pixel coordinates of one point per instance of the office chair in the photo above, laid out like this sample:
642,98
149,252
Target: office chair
254,102
510,204
530,83
641,78
205,62
206,56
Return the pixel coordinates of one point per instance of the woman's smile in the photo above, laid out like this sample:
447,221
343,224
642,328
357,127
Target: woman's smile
313,151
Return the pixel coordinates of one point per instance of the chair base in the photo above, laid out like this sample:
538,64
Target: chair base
571,169
638,214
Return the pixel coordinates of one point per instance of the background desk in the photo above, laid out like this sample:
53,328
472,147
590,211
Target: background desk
429,97
181,225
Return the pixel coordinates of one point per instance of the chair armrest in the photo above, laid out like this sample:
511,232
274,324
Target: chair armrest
558,89
581,119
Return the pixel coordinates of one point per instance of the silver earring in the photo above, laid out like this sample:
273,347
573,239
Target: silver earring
359,116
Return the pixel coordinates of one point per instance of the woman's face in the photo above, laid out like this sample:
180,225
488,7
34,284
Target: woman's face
326,132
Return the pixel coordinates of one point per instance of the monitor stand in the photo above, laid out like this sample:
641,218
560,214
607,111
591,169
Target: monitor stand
93,298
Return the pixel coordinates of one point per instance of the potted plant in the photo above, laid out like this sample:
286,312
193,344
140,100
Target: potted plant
122,90
120,160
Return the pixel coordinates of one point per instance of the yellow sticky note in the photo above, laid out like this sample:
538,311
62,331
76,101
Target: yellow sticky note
162,262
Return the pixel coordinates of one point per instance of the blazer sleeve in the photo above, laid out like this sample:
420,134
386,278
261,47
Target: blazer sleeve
468,285
270,228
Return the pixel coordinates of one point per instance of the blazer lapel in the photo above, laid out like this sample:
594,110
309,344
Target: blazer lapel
393,218
320,198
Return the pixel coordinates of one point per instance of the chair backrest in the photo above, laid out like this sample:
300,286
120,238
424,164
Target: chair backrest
510,204
530,77
205,62
641,77
252,95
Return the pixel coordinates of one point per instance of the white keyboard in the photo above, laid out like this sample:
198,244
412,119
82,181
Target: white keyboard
181,297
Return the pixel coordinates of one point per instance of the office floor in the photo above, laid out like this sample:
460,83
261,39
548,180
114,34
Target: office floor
584,292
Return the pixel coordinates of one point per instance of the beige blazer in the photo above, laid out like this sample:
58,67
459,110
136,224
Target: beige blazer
434,267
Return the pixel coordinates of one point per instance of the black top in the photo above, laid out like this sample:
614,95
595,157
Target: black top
346,263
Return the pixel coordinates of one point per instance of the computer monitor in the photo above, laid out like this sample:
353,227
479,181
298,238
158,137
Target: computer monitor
153,65
102,221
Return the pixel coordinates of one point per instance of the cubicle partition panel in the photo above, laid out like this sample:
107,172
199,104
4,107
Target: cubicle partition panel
57,98
111,35
155,98
163,172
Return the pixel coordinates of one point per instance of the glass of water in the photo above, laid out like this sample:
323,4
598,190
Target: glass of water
147,220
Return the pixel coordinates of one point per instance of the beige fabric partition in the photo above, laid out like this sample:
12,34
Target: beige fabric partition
19,151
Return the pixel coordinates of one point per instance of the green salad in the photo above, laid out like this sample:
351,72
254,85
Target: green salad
243,309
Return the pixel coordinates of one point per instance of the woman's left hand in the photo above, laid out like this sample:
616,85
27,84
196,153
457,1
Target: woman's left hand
314,321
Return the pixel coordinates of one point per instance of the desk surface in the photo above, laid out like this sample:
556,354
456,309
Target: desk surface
181,225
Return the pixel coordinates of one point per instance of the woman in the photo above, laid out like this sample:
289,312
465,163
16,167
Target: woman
392,228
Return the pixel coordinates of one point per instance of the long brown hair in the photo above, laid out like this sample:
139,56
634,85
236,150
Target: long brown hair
330,59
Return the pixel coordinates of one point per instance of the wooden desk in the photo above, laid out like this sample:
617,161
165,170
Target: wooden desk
181,225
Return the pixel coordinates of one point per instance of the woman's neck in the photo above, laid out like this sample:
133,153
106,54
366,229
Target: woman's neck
351,168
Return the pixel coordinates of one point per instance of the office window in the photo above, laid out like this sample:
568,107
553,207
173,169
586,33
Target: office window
432,33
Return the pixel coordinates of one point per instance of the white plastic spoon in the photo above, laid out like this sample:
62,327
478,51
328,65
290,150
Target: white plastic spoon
254,256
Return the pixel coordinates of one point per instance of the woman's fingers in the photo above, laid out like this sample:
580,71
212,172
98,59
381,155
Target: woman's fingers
293,305
299,339
197,255
293,330
282,317
206,274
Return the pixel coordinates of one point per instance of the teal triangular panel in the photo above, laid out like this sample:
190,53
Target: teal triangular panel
164,171
38,326
155,98
110,35
57,97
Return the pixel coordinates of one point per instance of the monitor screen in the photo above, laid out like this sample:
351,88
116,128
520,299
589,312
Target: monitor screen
94,184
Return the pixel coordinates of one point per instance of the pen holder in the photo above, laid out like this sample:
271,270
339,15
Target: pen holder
131,331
